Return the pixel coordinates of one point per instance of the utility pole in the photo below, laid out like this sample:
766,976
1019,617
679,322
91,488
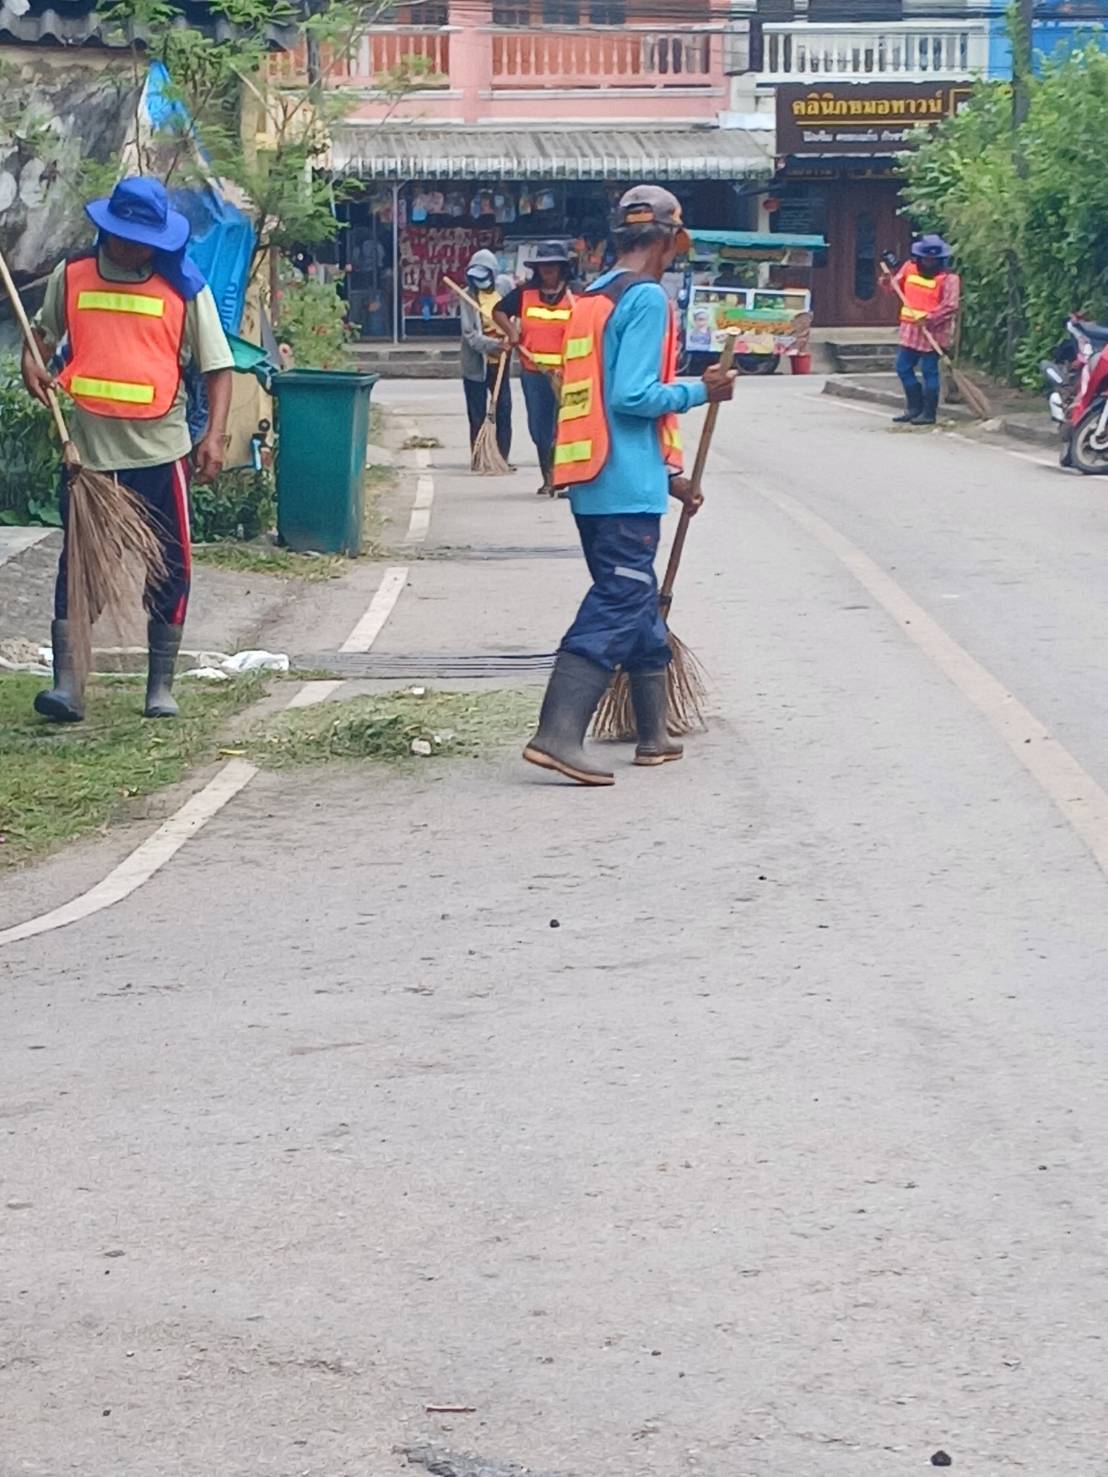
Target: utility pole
1020,17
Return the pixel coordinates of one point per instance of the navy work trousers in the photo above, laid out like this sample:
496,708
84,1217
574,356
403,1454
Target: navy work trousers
542,412
619,623
478,393
928,361
164,494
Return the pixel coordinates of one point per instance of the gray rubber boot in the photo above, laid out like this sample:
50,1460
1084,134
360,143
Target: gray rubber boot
914,397
929,412
64,702
575,688
546,464
648,697
164,643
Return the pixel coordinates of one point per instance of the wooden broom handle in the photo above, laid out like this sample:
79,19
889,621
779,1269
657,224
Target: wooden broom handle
726,359
32,344
928,335
505,356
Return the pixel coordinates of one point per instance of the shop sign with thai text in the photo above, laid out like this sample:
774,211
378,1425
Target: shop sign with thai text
861,117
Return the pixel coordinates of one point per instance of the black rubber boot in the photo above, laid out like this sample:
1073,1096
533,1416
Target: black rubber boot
648,697
914,397
164,643
64,702
546,464
929,414
576,687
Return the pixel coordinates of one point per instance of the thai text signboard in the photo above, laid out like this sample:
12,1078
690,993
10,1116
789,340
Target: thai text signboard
861,117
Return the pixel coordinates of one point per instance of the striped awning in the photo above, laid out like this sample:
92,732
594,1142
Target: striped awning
387,153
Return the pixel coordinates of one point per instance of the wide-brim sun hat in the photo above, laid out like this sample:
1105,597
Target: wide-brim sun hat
549,254
138,210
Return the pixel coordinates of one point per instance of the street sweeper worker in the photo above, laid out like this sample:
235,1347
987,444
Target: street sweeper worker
124,318
482,346
929,297
534,317
618,451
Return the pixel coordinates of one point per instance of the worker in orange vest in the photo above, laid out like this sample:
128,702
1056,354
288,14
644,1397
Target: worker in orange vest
124,318
929,296
534,319
618,451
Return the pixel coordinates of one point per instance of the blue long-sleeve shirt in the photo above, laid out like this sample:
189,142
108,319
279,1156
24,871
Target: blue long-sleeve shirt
635,479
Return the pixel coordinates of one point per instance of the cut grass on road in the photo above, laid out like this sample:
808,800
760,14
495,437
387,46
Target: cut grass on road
453,724
61,781
265,559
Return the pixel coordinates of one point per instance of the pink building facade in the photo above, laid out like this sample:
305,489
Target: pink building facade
479,124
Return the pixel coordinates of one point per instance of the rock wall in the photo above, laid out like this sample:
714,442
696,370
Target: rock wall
59,108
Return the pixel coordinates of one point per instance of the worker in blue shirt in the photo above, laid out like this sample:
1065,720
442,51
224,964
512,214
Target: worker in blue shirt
618,453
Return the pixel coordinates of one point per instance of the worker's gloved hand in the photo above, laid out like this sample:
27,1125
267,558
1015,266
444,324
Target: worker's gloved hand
720,383
209,458
37,381
682,489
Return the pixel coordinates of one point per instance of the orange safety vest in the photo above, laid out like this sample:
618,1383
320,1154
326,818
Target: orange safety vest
584,439
125,340
543,328
922,295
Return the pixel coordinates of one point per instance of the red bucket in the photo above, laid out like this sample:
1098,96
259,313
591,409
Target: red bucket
801,363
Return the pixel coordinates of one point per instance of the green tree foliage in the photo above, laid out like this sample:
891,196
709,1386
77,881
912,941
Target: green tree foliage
1053,213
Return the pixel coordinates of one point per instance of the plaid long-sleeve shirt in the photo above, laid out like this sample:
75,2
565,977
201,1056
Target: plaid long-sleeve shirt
941,321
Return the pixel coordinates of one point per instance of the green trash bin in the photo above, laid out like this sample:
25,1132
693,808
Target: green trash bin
322,434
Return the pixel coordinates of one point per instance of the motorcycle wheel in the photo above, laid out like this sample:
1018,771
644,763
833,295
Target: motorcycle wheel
1083,454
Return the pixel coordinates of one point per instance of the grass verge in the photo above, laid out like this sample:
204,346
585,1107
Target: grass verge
58,782
263,559
439,724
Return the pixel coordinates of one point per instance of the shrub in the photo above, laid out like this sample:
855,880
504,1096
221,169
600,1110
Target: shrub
30,458
313,324
237,505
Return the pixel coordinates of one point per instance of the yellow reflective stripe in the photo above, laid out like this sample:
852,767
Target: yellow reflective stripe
572,451
576,401
549,315
578,348
672,438
931,283
119,390
913,314
554,360
123,302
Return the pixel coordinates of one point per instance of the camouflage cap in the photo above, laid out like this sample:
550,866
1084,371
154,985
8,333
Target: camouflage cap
651,205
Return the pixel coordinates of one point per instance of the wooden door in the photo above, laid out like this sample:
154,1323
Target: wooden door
861,224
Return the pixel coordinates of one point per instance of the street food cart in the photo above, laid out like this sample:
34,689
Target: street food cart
756,286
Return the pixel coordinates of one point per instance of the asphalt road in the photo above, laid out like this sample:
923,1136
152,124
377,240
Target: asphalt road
782,1155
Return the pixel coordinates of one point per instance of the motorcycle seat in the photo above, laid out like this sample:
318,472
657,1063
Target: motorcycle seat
1097,332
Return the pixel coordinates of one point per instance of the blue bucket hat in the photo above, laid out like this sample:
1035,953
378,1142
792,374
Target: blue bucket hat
932,247
138,210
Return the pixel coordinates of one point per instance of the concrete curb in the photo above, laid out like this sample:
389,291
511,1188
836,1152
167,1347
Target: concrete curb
845,388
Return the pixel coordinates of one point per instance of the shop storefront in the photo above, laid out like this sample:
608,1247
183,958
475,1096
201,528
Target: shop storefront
839,178
402,238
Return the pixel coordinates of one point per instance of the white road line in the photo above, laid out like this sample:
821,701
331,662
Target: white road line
1020,456
1078,797
420,522
153,853
367,630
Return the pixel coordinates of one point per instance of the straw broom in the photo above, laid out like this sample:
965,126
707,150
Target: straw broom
107,532
966,387
686,684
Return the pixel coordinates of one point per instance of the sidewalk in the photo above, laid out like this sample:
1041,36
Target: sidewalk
1016,413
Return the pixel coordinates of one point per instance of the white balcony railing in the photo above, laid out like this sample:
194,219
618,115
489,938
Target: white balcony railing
554,58
908,51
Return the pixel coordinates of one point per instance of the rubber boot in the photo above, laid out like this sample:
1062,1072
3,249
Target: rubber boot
929,414
64,702
164,643
914,397
546,464
648,698
576,687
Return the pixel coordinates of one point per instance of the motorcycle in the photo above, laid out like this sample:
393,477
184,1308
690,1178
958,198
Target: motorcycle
1076,376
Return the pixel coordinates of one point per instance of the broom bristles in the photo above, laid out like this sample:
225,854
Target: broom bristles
107,537
686,697
487,459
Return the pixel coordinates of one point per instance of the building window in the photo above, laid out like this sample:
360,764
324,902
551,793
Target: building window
417,13
511,15
865,257
561,12
608,13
